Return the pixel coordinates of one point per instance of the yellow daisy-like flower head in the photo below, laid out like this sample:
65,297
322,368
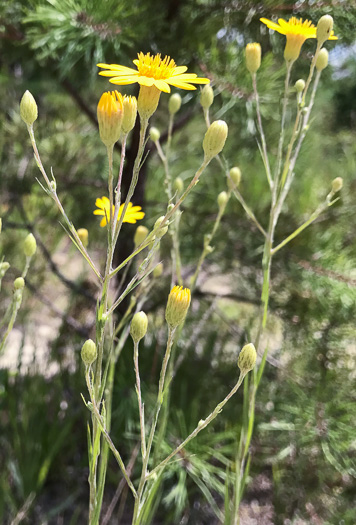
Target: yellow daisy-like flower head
133,213
110,112
154,75
177,305
297,32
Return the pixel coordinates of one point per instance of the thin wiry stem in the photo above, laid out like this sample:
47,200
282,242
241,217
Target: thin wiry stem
262,135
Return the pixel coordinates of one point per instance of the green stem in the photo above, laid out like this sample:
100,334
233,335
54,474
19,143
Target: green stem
139,399
262,135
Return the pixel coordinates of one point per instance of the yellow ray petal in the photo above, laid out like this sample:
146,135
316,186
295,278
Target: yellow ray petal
163,86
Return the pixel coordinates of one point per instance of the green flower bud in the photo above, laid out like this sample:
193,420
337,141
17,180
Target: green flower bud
29,245
178,185
235,176
324,28
253,57
83,235
322,60
337,184
19,283
222,200
89,352
162,231
157,272
154,134
214,139
4,266
28,108
207,96
138,327
140,235
130,114
177,306
247,358
174,104
299,85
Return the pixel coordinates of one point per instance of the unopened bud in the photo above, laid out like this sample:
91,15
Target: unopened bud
161,231
337,184
178,185
138,327
247,358
19,283
322,59
324,28
83,235
206,96
235,176
89,352
140,235
222,200
4,266
110,112
299,85
174,104
154,134
29,245
214,139
130,114
177,306
157,272
28,108
253,57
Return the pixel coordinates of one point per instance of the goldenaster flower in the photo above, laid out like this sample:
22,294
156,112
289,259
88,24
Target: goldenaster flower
297,32
153,71
133,213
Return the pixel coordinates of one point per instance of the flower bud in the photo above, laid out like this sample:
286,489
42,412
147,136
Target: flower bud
19,283
83,235
214,139
28,108
138,327
154,134
222,200
174,104
207,96
89,352
324,28
299,85
322,59
337,184
247,358
130,114
253,57
177,306
147,102
29,245
178,185
110,113
4,266
140,235
235,176
157,272
162,231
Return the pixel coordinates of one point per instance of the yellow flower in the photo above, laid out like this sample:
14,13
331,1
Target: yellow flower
110,112
153,71
133,213
177,305
296,31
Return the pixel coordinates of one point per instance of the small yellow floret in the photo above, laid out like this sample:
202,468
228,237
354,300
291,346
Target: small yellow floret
253,57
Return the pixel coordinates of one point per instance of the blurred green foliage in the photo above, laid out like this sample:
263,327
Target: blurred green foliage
304,442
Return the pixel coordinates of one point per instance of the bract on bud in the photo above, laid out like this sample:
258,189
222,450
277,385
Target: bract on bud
28,108
147,102
299,85
138,327
235,176
178,185
177,306
162,231
89,352
29,245
130,114
140,235
19,283
253,57
83,235
154,134
207,96
110,113
324,28
222,200
174,104
215,139
247,358
322,59
337,184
